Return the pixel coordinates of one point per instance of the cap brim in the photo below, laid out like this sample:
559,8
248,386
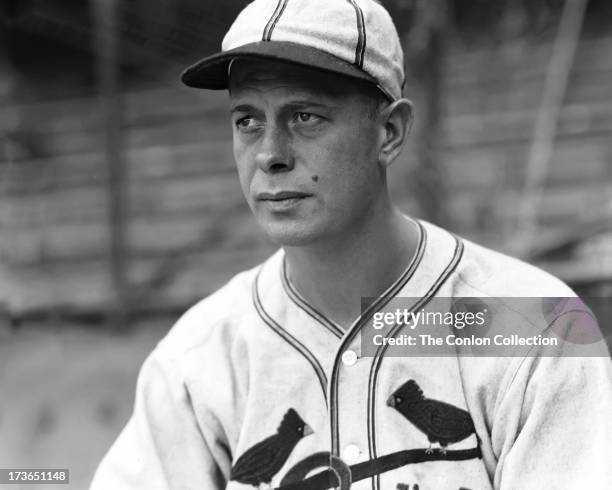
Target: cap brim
212,72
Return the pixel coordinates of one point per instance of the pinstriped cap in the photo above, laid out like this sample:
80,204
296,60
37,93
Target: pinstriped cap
355,38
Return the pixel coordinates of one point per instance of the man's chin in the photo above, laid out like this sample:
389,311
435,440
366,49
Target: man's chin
290,234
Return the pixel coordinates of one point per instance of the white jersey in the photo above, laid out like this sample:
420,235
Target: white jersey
254,386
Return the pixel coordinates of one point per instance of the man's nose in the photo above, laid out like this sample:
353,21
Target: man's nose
274,153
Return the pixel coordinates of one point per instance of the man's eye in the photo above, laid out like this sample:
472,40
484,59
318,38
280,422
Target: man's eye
247,122
307,117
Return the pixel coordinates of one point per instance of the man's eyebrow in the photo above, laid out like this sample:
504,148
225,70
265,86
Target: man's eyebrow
242,108
309,103
292,104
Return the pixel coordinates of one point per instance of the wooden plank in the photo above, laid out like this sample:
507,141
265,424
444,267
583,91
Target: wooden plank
76,114
159,237
171,131
515,148
83,285
202,274
51,174
577,273
162,199
580,163
64,242
147,236
503,96
476,169
573,161
560,204
201,158
86,285
516,125
79,204
564,203
522,59
590,237
175,102
178,195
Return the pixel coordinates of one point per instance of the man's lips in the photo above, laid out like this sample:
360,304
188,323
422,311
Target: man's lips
281,196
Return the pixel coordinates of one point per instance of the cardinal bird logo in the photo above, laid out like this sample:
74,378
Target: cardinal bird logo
258,465
440,422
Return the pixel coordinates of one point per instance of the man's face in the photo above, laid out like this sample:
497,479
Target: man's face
306,146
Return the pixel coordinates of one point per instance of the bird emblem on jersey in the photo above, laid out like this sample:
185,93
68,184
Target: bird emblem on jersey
258,465
441,422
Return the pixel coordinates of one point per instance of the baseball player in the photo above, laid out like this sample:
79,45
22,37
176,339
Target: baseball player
265,384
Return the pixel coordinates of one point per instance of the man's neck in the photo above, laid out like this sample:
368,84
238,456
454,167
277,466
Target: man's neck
333,277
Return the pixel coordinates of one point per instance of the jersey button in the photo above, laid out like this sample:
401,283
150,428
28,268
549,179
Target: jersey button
349,358
351,453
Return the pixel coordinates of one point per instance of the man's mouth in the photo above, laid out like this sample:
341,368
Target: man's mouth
281,196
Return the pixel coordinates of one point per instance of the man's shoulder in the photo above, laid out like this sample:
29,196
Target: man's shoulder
482,271
496,274
216,318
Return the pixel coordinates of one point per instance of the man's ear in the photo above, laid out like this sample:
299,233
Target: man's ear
397,119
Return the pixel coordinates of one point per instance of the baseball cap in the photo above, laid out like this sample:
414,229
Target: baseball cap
355,38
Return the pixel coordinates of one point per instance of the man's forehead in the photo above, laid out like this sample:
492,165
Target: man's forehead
252,74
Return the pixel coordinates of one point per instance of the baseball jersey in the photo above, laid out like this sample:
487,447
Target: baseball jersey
254,386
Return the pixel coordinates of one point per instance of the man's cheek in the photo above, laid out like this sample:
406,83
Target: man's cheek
245,177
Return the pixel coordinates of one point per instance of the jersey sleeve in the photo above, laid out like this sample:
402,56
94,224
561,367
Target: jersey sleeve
553,427
164,445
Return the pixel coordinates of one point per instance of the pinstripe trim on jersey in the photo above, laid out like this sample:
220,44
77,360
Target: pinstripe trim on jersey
361,35
299,300
352,332
280,8
287,337
380,352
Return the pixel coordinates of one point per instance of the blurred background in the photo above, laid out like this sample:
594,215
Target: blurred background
120,206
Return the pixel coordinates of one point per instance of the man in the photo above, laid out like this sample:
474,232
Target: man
264,383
